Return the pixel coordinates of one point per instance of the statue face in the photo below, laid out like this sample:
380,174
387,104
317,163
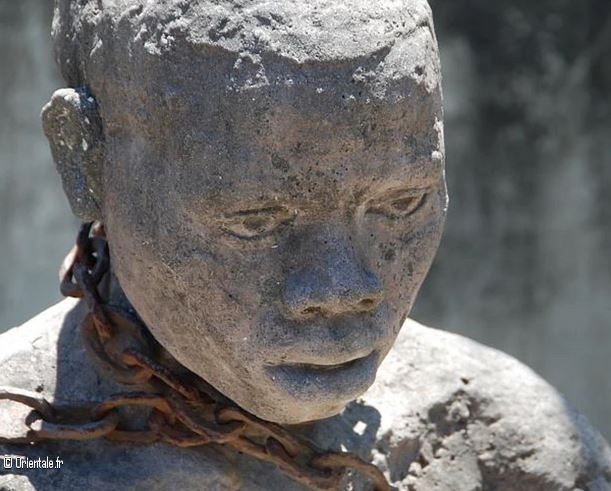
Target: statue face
271,231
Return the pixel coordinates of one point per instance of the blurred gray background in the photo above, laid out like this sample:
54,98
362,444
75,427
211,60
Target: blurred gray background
524,265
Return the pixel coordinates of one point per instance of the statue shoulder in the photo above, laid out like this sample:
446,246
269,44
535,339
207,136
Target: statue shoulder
445,413
455,411
29,353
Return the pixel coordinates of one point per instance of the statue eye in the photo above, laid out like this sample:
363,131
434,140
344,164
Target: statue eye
254,224
398,204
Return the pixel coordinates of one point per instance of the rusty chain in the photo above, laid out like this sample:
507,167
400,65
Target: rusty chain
183,409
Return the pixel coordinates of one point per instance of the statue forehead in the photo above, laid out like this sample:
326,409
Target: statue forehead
313,30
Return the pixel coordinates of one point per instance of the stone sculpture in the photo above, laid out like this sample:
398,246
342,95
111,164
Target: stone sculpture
271,181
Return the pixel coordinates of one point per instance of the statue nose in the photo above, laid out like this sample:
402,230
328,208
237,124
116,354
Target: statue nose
333,282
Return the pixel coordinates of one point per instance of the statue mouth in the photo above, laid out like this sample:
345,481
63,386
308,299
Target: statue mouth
327,366
340,380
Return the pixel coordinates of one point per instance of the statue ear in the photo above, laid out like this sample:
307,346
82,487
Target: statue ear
73,127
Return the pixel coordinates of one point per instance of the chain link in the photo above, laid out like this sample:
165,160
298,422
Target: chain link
182,413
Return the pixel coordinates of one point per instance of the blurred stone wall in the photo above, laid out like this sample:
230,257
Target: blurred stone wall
525,263
36,228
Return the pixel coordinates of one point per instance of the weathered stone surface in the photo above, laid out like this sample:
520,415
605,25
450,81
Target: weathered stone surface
270,177
272,185
445,413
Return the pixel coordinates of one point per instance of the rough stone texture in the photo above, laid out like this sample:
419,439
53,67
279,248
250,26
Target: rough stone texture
273,171
272,207
445,413
543,303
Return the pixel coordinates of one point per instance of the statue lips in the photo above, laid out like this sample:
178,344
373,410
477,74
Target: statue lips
344,380
329,358
324,341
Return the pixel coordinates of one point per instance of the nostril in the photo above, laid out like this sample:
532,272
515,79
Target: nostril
366,304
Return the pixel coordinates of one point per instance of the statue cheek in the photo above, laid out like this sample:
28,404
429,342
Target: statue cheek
402,257
223,281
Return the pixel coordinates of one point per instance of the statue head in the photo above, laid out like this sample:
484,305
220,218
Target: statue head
270,176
